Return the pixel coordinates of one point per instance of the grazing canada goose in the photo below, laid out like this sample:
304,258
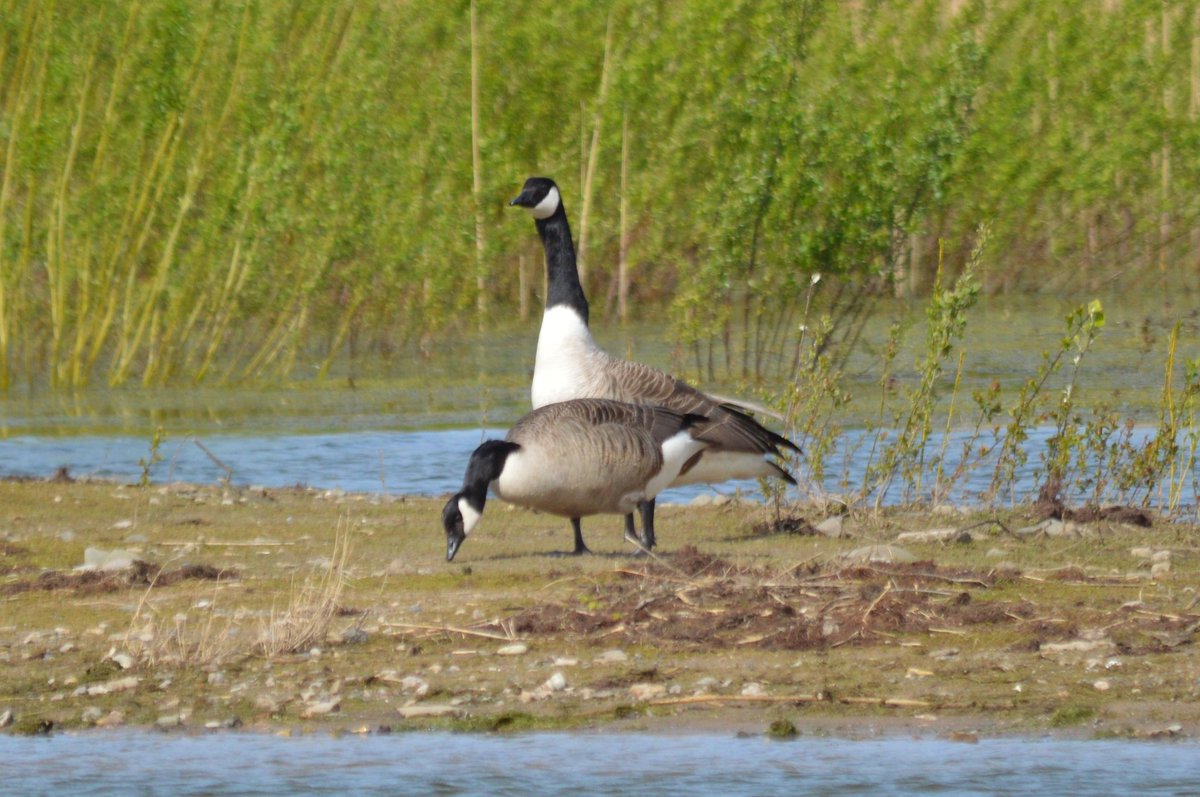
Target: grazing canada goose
569,365
577,458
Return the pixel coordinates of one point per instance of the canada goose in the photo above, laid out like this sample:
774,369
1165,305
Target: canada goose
577,458
569,364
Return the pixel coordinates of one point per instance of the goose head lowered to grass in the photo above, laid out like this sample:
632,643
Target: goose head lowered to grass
574,459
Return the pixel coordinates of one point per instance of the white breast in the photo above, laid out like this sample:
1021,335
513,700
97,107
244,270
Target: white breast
567,358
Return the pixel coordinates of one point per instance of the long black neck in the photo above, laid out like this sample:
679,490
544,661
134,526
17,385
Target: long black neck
562,275
484,467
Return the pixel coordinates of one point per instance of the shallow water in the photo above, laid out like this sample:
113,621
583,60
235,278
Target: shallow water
409,425
428,462
586,763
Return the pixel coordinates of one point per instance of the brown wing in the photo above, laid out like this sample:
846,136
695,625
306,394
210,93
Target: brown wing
661,422
727,427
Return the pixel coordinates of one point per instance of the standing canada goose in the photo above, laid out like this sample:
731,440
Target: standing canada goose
577,458
569,364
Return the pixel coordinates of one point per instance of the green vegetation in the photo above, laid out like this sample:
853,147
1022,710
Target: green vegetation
227,191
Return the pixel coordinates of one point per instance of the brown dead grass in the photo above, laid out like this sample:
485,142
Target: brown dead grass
691,599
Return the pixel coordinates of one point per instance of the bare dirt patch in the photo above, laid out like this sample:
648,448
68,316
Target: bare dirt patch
140,574
692,599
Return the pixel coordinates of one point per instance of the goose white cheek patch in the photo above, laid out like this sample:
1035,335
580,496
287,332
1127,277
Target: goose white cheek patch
469,515
545,209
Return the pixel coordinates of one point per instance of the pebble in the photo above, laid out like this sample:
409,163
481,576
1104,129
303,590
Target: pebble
123,660
613,656
91,715
428,710
6,718
646,691
556,682
931,535
515,649
418,686
561,661
114,719
887,554
831,527
106,561
168,721
753,689
115,685
321,709
355,636
1102,685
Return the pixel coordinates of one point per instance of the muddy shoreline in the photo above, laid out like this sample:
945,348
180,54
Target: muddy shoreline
299,610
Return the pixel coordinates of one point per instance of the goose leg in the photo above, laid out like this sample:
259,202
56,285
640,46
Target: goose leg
647,510
631,531
580,548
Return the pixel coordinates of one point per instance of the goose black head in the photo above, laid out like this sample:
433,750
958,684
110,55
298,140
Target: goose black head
463,510
458,517
540,197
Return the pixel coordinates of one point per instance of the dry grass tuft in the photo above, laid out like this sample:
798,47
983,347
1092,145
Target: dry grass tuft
306,620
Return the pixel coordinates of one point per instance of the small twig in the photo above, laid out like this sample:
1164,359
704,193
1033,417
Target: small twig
890,702
887,588
935,576
450,629
800,564
238,543
990,521
680,701
228,470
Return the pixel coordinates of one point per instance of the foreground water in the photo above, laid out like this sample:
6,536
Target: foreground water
586,763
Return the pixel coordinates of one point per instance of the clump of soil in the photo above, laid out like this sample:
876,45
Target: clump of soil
1050,504
787,524
695,600
139,574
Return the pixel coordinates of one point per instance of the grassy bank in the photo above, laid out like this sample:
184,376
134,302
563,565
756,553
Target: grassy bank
296,609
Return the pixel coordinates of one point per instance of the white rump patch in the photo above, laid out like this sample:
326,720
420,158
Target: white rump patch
677,450
546,208
470,516
718,466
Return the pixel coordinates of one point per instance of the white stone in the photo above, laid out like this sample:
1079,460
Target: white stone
831,526
613,656
929,535
556,682
887,554
646,691
321,708
428,710
515,649
116,685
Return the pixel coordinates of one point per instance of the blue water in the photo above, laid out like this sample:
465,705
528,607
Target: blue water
608,763
431,462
